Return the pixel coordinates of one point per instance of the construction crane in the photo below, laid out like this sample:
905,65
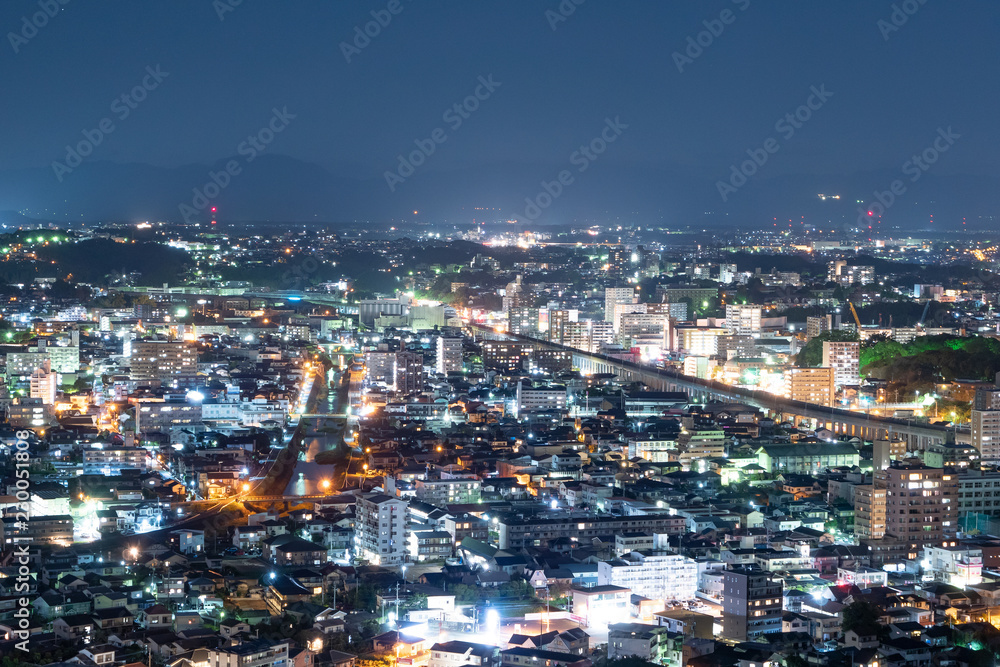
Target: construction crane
855,314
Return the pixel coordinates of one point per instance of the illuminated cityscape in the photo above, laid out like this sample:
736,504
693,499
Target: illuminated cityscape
461,336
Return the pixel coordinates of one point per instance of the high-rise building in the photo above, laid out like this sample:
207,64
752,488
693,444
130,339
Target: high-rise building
588,335
842,274
743,319
817,325
523,321
985,426
449,355
614,295
408,371
884,451
811,385
727,273
620,259
620,310
751,604
514,295
381,529
44,383
171,363
869,510
843,357
557,323
380,365
921,503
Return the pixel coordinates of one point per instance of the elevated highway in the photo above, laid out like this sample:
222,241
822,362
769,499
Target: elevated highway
918,435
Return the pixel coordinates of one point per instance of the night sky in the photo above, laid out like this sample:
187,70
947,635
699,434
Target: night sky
893,85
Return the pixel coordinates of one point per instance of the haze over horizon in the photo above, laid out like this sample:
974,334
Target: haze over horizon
495,103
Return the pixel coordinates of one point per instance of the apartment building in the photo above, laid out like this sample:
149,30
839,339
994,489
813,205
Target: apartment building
921,505
588,335
506,356
449,355
616,295
534,399
985,424
979,492
751,604
444,492
652,448
167,363
817,325
700,443
112,460
658,645
743,319
810,385
517,532
159,416
656,575
381,529
842,357
869,511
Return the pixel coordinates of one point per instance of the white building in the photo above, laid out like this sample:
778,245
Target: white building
985,427
652,448
44,384
533,399
614,295
959,566
380,530
657,576
743,319
449,355
244,413
64,359
985,424
843,358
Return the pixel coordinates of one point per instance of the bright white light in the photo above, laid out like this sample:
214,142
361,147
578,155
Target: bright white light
195,396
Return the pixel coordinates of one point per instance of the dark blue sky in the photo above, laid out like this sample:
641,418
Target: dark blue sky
557,87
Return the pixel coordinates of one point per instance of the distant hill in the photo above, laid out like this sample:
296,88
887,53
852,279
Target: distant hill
279,188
